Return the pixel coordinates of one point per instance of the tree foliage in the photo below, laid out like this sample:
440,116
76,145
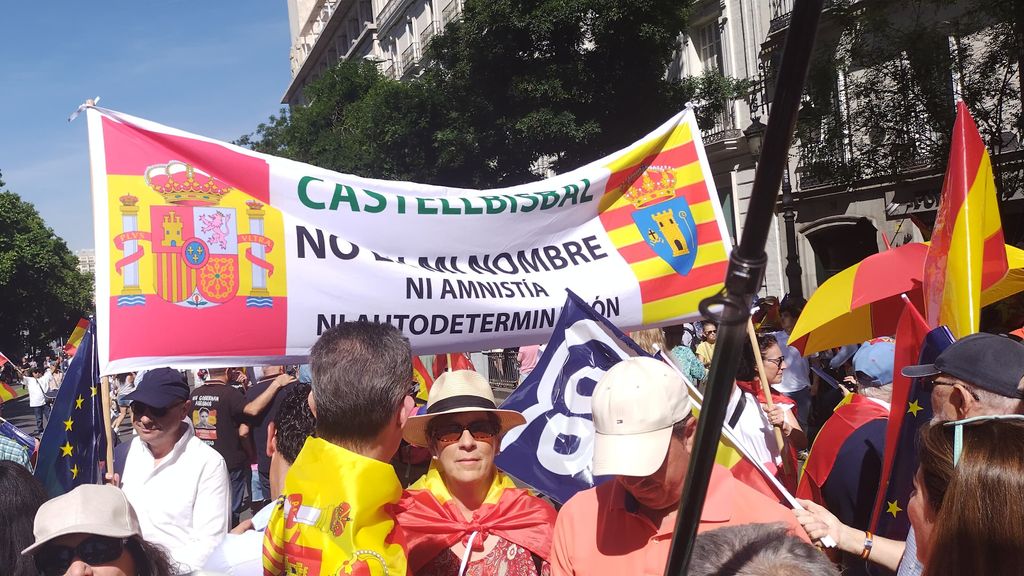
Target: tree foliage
903,65
510,83
42,293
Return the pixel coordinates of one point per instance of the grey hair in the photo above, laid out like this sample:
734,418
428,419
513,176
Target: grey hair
992,403
757,550
362,372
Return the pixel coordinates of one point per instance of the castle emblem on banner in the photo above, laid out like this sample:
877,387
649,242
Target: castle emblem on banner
194,240
663,219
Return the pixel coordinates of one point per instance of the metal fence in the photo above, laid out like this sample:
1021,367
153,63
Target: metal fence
503,368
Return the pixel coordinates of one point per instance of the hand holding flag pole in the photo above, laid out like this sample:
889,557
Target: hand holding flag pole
744,276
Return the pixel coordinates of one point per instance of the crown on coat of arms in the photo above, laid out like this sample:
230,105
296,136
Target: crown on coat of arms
181,183
656,184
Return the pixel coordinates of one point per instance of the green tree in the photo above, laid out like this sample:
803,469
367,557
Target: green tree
42,293
509,84
905,64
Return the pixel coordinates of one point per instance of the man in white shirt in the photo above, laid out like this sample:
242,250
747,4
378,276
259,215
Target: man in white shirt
796,380
177,484
37,385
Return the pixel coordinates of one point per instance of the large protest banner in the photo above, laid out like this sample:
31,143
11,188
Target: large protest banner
211,254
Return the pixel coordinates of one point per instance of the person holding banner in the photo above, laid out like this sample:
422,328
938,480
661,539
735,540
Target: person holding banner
464,516
644,438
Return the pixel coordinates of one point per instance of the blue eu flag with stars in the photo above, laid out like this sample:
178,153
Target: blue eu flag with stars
74,441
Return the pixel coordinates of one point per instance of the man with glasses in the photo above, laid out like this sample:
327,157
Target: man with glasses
796,382
706,349
177,484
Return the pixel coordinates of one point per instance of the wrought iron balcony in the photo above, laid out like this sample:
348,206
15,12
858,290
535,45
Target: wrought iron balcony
452,11
410,58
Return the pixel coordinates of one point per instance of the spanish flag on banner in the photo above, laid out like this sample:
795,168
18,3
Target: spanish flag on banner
967,253
421,376
335,517
6,392
76,337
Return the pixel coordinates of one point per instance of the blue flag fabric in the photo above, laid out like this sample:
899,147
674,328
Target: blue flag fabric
892,520
74,440
552,453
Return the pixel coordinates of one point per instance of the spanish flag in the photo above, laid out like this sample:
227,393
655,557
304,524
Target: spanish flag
335,517
76,337
967,252
421,376
6,392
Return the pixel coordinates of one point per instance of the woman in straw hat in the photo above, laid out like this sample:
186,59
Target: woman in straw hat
464,516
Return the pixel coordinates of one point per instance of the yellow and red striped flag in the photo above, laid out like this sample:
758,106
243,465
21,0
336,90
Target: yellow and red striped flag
967,252
422,377
76,337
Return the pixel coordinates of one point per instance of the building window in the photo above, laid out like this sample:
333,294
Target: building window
709,46
841,245
725,198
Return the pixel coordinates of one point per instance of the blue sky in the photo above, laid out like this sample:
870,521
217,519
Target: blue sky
213,67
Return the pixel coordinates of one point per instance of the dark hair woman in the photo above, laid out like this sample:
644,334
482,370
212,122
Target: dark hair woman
966,512
93,530
754,423
20,497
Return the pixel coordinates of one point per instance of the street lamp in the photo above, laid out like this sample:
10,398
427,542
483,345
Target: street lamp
754,135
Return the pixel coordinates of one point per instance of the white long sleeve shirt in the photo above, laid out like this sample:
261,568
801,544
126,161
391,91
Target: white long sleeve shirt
184,502
37,388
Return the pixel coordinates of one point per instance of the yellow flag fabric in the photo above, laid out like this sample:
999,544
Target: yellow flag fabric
433,482
335,517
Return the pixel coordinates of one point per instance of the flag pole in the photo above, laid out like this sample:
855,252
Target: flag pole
105,402
746,271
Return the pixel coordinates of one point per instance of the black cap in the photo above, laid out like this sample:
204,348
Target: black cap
990,362
160,388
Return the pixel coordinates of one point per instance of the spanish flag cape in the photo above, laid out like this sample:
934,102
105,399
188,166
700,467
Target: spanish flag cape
433,523
335,517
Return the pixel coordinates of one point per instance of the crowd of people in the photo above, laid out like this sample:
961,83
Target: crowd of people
313,459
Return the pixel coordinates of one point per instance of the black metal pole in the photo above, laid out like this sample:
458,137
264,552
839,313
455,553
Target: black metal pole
746,269
793,269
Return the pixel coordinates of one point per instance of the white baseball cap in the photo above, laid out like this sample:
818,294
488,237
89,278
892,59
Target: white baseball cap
635,406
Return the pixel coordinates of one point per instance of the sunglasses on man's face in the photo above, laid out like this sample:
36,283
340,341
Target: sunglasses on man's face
139,409
481,430
54,560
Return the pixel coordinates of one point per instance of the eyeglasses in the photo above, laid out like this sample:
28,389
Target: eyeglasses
929,384
777,361
710,332
958,429
139,409
481,430
54,560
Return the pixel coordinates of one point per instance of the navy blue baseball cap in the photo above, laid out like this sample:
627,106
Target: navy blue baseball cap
160,388
990,362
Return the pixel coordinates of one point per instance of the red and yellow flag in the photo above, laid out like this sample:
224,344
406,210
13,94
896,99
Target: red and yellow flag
335,516
76,337
967,253
422,377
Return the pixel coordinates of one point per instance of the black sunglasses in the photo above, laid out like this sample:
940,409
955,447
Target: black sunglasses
54,560
139,409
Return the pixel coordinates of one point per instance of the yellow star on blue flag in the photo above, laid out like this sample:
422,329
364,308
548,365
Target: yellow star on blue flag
914,408
66,449
74,472
78,402
68,424
893,508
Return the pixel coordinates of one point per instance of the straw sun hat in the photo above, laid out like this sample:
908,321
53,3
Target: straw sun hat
455,392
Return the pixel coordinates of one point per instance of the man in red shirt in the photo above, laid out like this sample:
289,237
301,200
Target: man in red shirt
644,437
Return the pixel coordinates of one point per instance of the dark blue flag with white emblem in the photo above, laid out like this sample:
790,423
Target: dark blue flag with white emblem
74,440
552,452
